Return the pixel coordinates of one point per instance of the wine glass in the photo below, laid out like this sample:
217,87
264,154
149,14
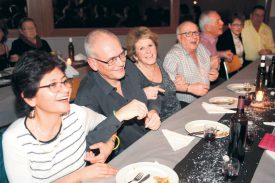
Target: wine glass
209,134
251,132
247,87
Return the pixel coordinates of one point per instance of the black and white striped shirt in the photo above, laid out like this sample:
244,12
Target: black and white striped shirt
28,160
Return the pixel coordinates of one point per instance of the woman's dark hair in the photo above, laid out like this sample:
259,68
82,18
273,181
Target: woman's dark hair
4,29
235,16
27,74
23,20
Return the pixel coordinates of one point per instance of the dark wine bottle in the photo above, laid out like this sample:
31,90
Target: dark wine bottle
238,132
71,49
271,74
261,74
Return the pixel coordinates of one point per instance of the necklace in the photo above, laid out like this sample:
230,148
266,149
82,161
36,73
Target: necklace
50,145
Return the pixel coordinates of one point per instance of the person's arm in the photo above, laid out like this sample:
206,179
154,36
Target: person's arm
92,172
15,159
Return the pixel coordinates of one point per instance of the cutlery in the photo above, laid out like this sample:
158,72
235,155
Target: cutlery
137,177
144,178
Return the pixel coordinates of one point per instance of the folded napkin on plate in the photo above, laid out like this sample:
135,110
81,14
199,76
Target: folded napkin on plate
269,123
214,109
176,140
268,142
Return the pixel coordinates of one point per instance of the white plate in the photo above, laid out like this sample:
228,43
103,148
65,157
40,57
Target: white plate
225,102
4,81
198,125
239,88
128,173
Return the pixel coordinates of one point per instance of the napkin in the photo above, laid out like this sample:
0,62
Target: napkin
268,142
79,57
176,140
269,123
71,72
214,109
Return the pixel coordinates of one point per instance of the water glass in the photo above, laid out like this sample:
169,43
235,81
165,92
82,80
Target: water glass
251,132
230,169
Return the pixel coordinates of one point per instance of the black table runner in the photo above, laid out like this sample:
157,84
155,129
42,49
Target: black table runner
205,165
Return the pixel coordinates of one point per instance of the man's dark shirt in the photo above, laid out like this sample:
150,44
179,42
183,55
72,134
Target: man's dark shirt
97,94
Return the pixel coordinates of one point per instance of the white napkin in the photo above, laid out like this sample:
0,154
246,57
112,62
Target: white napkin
270,153
71,72
215,109
79,57
269,123
176,140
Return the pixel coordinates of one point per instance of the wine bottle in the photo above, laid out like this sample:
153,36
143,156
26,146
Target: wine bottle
71,49
238,132
260,81
271,74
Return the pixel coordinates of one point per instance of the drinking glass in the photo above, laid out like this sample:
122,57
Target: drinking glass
209,134
230,169
251,132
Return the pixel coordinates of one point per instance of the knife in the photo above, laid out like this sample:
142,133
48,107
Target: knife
144,178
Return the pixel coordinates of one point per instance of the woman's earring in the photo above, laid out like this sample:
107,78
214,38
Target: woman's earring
32,114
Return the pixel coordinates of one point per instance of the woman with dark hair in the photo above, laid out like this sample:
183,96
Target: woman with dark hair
48,144
231,38
28,40
4,50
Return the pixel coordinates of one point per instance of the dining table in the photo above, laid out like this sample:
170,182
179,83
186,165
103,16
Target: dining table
194,163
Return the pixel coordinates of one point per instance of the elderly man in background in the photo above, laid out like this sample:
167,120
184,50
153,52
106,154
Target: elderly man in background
211,26
112,86
188,64
257,36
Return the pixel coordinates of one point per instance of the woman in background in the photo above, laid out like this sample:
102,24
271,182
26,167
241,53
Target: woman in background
4,50
231,38
48,144
28,40
142,49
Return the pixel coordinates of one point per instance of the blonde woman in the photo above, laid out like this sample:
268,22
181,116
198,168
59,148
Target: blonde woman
142,46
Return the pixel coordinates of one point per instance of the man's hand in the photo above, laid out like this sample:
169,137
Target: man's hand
213,74
105,150
152,92
228,55
198,89
152,121
215,62
133,109
265,52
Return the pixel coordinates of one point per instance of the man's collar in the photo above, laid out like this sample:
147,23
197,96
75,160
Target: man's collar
102,83
209,37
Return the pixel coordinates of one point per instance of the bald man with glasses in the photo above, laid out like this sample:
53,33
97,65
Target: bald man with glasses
112,87
188,64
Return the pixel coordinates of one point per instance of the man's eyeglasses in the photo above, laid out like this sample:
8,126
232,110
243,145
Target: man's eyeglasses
113,60
56,86
189,34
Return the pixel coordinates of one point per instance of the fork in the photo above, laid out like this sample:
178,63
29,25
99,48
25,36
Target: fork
137,177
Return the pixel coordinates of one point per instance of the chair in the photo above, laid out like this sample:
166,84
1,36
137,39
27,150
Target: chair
232,66
75,86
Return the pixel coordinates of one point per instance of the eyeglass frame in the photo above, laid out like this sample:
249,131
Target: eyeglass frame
123,53
59,84
190,33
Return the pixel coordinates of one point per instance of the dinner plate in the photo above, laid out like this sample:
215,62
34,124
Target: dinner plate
198,125
155,169
239,88
225,102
